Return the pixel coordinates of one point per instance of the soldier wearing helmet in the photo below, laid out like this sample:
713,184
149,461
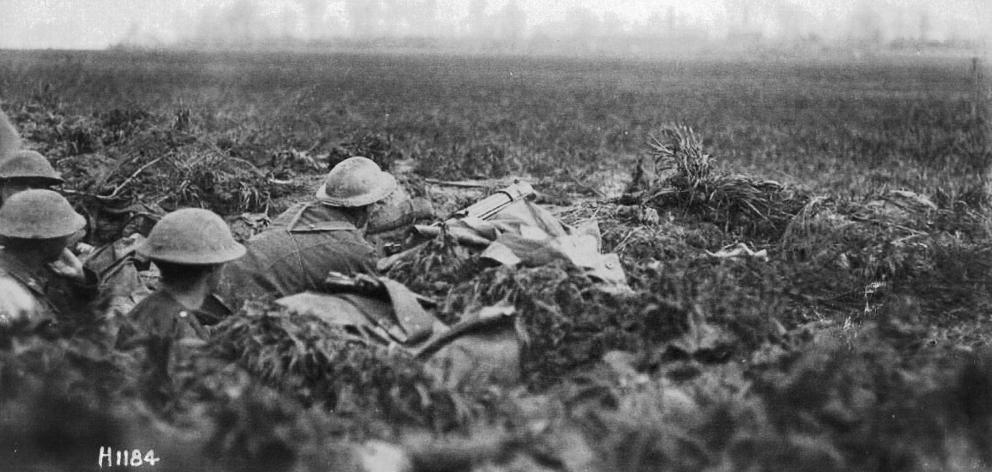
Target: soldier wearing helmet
189,247
25,170
35,226
311,239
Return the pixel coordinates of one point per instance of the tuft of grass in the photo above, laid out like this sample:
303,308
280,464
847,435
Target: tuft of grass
687,180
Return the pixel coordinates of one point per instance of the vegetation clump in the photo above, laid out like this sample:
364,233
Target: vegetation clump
436,266
685,178
566,321
322,364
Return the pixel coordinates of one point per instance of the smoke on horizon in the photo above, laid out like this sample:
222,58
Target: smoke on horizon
580,24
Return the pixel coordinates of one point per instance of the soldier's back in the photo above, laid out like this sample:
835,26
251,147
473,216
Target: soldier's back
296,254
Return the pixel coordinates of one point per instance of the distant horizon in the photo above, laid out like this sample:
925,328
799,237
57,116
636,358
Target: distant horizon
827,53
98,24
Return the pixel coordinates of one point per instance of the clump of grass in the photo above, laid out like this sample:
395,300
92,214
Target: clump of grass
686,179
173,176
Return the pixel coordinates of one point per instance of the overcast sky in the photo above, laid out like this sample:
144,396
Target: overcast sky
98,23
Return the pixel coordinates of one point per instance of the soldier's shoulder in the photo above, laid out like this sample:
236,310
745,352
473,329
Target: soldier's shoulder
156,305
17,271
6,264
282,219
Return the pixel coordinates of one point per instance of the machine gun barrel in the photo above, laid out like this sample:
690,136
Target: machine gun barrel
489,206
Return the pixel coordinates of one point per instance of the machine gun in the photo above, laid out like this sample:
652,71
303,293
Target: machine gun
483,210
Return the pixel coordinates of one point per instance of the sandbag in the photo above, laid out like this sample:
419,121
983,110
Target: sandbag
474,353
477,352
401,316
399,319
337,311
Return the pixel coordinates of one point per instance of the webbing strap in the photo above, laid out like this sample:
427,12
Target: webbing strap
295,226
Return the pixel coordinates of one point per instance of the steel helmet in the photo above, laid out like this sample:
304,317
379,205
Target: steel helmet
354,182
39,214
191,236
25,164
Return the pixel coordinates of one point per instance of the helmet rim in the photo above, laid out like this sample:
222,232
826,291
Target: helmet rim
39,214
191,236
355,172
28,164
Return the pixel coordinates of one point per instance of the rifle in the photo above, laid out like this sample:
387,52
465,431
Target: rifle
483,210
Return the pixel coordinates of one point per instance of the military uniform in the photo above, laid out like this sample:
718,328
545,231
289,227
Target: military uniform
58,298
160,315
154,327
160,324
296,253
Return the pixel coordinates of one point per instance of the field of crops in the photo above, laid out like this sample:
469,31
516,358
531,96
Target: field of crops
856,341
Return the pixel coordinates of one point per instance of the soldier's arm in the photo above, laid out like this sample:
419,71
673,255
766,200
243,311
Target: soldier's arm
83,281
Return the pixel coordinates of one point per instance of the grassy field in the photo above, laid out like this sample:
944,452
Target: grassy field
839,127
859,343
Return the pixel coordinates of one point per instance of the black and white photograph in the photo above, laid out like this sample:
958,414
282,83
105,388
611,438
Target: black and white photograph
495,235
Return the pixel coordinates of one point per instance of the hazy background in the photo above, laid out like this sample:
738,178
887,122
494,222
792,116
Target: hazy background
625,26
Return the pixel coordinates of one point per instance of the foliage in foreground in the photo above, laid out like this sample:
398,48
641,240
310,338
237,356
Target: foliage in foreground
321,365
